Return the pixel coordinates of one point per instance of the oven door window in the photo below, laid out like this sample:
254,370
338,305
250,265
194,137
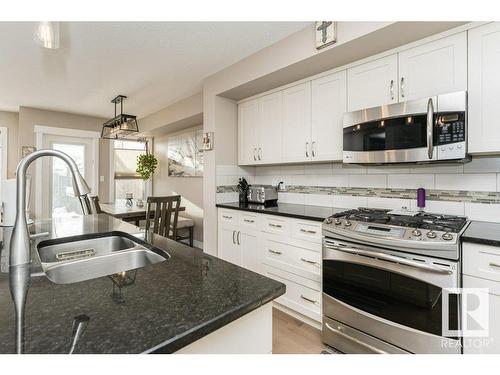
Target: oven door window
388,295
391,134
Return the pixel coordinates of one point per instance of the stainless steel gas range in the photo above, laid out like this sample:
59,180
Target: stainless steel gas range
385,277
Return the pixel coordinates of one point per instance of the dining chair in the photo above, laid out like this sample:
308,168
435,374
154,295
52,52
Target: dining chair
165,217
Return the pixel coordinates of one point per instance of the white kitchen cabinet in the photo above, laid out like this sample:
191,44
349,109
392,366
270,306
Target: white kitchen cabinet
269,145
296,130
373,83
484,88
228,248
248,125
433,68
249,244
329,102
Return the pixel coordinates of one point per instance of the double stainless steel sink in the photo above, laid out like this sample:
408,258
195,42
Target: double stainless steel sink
72,260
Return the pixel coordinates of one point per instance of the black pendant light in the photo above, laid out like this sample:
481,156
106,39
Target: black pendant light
121,125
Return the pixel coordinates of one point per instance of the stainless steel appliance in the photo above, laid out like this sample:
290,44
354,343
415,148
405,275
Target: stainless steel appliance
384,277
263,194
418,131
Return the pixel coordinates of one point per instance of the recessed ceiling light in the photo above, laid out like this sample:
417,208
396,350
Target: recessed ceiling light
47,35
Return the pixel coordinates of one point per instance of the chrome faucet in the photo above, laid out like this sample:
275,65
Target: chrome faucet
20,254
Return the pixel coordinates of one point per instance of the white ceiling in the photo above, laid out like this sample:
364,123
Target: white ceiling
154,63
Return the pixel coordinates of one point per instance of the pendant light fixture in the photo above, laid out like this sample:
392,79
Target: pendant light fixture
121,125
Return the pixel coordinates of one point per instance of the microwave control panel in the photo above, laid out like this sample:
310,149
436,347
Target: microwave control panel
450,128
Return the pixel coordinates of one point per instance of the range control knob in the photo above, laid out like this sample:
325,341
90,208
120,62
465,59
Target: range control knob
416,232
447,236
328,220
347,223
431,234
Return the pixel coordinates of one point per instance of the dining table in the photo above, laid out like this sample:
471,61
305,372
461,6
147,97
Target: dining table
120,210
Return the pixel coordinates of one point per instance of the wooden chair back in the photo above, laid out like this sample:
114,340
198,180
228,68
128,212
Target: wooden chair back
166,213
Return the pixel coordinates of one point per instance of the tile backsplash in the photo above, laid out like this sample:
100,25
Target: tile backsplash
472,189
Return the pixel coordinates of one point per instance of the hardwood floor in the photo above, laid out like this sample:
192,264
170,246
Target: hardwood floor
291,336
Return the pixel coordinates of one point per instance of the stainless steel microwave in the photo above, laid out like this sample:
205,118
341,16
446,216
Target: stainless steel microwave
417,131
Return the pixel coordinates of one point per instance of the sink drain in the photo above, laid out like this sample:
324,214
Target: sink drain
77,254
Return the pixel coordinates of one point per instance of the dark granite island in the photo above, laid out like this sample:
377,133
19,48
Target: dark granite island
192,302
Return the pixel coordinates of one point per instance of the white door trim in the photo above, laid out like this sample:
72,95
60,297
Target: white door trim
40,131
4,133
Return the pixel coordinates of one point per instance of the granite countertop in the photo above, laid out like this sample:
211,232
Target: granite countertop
170,305
298,211
482,232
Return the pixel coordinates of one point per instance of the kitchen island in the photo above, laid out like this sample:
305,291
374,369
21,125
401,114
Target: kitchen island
189,303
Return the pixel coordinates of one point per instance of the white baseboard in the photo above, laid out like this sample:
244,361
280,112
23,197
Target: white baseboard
198,244
313,323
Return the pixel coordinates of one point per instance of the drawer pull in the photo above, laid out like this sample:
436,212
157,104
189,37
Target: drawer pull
275,225
227,217
307,231
308,299
274,252
308,261
248,221
496,265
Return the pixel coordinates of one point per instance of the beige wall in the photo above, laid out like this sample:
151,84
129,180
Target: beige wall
190,188
10,120
29,117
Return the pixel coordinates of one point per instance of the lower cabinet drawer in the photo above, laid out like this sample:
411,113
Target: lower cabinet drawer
275,224
481,261
307,231
304,261
306,300
228,216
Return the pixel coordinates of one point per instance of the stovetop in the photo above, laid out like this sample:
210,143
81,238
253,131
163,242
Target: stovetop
421,220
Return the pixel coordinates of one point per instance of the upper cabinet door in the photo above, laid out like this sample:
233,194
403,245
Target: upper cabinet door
296,131
329,103
484,88
434,68
269,145
248,126
373,83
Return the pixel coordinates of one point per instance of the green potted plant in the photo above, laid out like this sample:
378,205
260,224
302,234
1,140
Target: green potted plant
146,165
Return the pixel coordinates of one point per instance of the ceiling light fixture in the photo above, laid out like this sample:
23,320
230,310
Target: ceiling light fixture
47,35
121,125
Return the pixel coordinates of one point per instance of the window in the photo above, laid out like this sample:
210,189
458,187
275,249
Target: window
127,180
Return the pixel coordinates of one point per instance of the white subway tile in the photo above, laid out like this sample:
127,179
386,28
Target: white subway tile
315,169
347,201
292,169
482,164
389,203
226,170
226,197
246,171
298,179
366,180
410,181
481,211
440,207
267,170
294,198
334,181
498,181
386,169
339,168
318,200
437,168
470,182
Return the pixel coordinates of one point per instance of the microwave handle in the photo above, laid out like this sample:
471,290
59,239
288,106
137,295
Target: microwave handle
430,128
392,258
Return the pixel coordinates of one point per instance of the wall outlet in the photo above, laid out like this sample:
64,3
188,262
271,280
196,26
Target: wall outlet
101,178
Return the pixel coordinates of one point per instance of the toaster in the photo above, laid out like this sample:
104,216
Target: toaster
263,194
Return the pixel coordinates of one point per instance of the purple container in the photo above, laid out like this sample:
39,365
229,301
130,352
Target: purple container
421,198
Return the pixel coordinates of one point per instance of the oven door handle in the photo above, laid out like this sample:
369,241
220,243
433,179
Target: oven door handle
391,258
430,128
355,340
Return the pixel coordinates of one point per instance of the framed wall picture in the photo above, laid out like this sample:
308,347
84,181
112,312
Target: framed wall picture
185,154
26,150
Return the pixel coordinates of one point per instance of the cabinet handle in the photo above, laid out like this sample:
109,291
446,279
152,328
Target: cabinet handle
260,153
248,221
274,252
402,87
495,265
308,299
313,151
274,225
254,157
308,261
307,231
234,242
391,89
227,217
307,151
238,238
